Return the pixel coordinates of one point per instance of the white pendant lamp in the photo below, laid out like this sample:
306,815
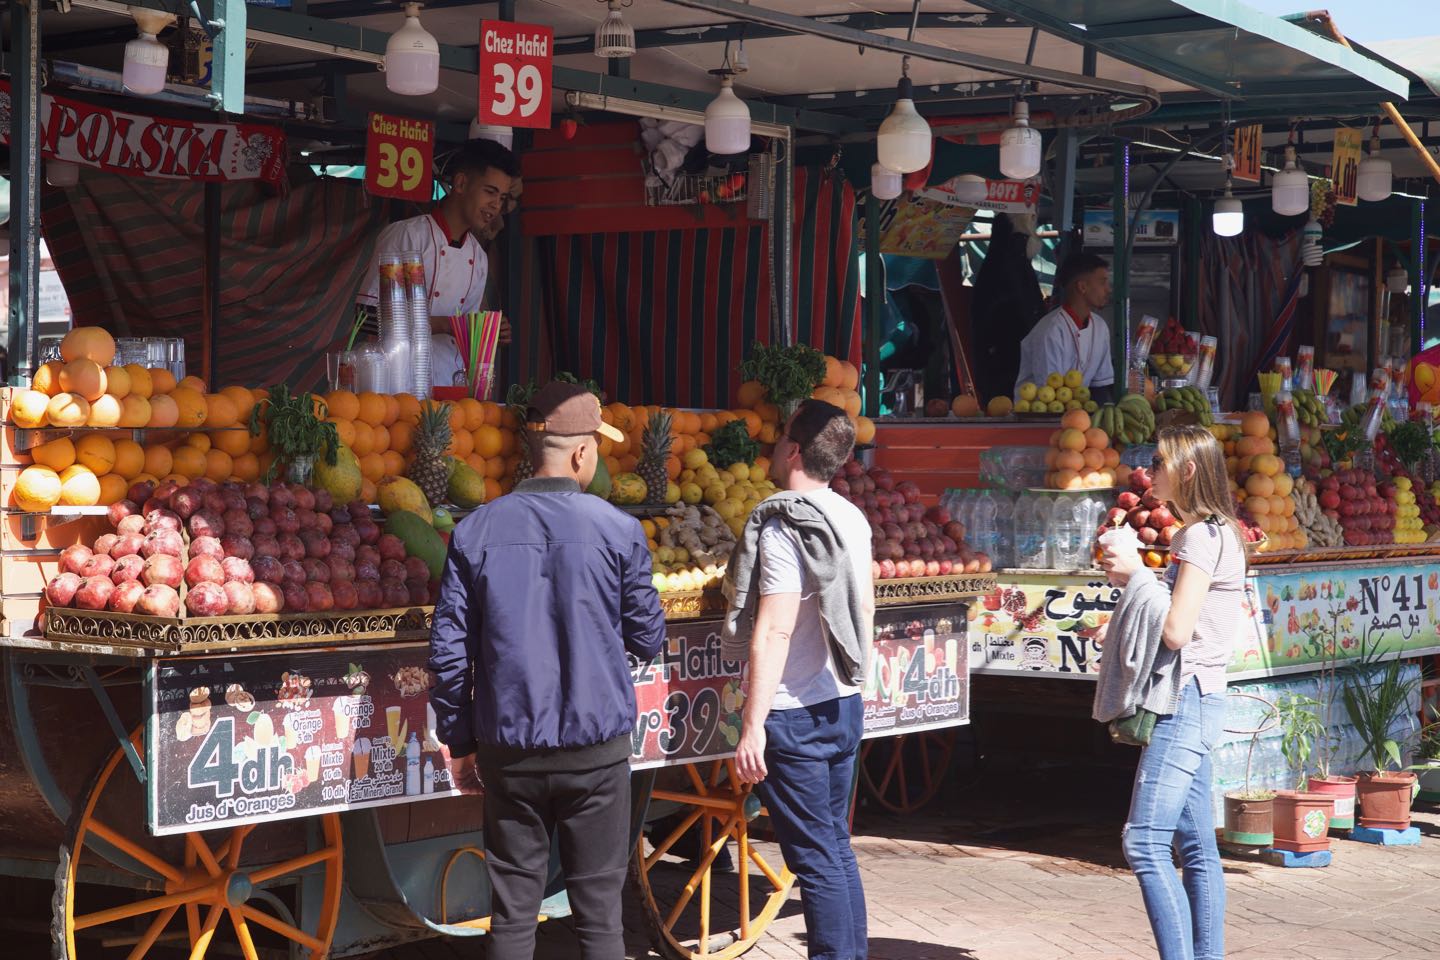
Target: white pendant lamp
147,60
1373,182
505,136
904,141
1290,188
1020,149
614,38
971,189
412,58
885,184
727,120
1228,220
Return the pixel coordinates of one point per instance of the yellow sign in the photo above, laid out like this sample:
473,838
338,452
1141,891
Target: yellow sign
1345,165
1247,153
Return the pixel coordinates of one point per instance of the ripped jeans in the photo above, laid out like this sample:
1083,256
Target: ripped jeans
1171,807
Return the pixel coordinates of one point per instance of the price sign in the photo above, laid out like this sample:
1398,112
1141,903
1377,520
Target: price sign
515,62
398,158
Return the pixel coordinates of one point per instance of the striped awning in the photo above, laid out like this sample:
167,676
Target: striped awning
666,316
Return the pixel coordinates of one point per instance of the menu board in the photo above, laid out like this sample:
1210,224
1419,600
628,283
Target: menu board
236,740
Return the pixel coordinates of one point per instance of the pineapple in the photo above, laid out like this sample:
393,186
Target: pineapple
432,437
518,400
654,451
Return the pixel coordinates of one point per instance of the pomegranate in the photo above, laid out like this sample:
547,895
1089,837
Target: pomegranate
159,600
125,596
268,598
60,591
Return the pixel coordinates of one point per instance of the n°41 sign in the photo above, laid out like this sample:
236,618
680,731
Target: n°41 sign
398,157
515,62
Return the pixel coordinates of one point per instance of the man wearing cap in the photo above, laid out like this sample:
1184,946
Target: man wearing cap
544,591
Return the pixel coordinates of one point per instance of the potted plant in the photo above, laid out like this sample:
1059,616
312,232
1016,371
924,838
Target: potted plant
298,433
1375,697
1250,814
1302,819
1324,644
1427,763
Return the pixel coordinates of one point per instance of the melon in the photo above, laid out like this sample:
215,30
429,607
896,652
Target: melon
420,539
466,488
397,494
628,489
37,489
343,479
27,408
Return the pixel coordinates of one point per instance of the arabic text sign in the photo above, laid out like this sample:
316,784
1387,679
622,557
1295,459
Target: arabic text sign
1041,624
139,146
243,739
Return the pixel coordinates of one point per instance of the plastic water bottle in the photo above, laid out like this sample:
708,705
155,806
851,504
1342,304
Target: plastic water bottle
1032,521
1067,534
980,531
1004,554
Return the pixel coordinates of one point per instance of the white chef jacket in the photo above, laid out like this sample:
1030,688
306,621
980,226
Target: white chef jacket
454,273
1057,345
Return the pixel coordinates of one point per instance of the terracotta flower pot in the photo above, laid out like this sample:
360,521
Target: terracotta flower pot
1385,800
1249,820
1302,821
1341,791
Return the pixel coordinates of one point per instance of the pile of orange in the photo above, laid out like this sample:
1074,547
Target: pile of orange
1259,483
1080,456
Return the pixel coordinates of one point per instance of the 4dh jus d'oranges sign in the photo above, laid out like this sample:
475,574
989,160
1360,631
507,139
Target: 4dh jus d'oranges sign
515,61
398,158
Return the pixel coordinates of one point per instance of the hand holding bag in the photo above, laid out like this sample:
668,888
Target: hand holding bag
1136,729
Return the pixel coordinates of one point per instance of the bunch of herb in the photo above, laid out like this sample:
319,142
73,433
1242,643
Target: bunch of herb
732,444
295,426
788,374
1343,444
1410,440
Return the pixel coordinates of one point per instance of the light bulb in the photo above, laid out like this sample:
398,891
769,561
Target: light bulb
1228,220
1020,146
971,189
1290,188
727,121
505,136
614,37
412,58
1373,181
903,143
885,184
146,62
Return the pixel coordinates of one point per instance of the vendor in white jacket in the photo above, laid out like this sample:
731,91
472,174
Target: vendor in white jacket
1074,336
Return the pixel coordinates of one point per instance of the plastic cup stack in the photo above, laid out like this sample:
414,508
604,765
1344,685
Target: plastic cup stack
395,324
418,298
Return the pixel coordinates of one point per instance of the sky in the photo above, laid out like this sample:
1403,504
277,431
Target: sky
1367,20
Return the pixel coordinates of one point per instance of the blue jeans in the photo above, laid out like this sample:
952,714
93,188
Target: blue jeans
810,764
1171,808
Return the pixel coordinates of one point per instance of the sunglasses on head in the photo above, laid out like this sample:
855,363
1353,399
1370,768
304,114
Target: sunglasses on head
1156,462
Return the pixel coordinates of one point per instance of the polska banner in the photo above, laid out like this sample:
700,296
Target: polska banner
136,145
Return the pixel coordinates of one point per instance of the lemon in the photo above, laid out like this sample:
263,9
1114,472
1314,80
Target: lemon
737,526
739,471
728,508
1055,406
695,459
1045,394
1082,393
687,476
1054,381
691,493
658,581
1063,394
714,494
1022,406
726,477
1072,404
1073,378
672,493
1028,391
649,527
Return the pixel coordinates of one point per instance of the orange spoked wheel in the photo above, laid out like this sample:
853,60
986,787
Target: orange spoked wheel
121,892
904,772
692,908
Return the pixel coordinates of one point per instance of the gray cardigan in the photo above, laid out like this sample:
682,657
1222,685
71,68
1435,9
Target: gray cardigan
845,608
1137,669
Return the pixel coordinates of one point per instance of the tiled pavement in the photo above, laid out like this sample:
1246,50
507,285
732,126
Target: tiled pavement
936,894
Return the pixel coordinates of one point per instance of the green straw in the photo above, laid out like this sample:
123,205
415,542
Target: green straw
360,317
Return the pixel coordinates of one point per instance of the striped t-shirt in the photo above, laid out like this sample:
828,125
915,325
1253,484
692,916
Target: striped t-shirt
1211,547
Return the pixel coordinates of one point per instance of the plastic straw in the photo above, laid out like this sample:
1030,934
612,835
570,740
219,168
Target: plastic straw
360,317
1324,380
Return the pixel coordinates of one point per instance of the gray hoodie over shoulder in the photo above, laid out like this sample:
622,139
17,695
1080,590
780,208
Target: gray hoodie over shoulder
1137,669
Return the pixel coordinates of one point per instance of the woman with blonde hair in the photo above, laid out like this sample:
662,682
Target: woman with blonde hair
1171,804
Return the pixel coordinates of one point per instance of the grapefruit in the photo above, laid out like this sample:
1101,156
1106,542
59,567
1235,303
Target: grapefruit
92,343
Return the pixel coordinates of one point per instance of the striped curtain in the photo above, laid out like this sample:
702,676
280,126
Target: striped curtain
1245,285
131,255
666,316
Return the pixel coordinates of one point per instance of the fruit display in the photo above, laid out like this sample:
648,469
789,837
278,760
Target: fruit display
690,547
1151,519
1309,408
1260,485
208,549
1319,527
1409,527
1133,420
966,405
1173,351
1366,512
908,539
1185,398
1060,392
1080,456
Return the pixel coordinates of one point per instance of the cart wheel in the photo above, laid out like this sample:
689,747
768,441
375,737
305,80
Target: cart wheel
691,910
904,772
119,887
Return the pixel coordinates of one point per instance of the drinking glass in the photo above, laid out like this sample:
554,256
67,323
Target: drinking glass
175,357
332,370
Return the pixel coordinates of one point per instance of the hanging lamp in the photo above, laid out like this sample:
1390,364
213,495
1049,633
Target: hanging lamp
1020,145
971,189
1290,188
885,184
614,38
727,119
1373,182
412,58
147,60
904,141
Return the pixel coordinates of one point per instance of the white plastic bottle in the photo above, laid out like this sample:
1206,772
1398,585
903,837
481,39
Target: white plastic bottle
1032,521
1004,553
1066,534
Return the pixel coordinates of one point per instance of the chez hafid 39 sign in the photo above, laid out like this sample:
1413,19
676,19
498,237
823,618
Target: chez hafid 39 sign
398,158
137,145
515,68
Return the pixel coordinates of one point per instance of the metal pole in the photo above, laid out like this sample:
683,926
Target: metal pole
211,283
1120,268
1417,276
787,242
874,304
24,334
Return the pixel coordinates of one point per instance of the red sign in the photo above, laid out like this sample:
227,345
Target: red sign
135,145
515,62
398,158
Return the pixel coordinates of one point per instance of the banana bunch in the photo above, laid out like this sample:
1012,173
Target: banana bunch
1186,398
1352,417
1135,419
1309,409
1322,530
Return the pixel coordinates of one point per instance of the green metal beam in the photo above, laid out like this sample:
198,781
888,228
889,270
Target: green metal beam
23,65
874,305
227,72
1163,27
1120,263
1417,276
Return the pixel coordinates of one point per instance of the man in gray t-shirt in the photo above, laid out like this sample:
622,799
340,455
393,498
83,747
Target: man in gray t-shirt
802,718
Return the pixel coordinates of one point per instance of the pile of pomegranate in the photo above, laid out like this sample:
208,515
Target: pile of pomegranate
211,549
1366,510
